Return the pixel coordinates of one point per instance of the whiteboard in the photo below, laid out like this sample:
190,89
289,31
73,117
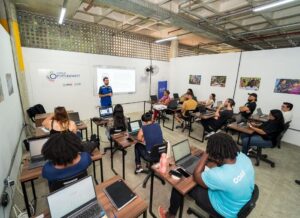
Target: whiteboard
120,79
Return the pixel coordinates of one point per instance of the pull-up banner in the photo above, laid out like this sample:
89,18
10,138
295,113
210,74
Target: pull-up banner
162,86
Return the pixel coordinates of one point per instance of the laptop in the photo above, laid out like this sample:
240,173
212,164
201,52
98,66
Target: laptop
153,98
76,200
175,96
134,127
260,113
106,112
35,150
202,108
74,116
119,194
183,156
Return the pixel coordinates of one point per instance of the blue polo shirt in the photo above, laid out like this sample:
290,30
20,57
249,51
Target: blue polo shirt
105,101
230,186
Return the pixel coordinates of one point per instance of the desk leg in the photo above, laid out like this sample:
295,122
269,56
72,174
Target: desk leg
98,134
91,126
112,162
86,134
26,199
145,214
173,121
123,162
181,206
94,170
101,170
151,195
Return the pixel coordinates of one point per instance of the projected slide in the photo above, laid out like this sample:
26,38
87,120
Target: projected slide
121,80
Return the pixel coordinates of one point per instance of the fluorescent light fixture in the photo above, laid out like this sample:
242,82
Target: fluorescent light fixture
62,15
271,5
166,39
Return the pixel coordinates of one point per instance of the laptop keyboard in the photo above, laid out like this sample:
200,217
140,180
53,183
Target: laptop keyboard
188,162
93,211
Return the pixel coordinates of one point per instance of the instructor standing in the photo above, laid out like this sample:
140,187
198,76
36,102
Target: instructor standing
105,93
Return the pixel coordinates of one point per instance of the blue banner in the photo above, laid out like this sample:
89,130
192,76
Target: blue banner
162,86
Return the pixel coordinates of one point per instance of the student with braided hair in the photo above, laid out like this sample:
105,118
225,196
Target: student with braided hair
223,189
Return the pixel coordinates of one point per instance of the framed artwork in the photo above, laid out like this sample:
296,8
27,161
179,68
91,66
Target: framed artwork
250,83
195,79
218,81
288,86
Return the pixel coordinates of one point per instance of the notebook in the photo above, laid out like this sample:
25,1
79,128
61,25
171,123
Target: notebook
134,127
106,112
119,194
183,156
35,150
76,200
74,116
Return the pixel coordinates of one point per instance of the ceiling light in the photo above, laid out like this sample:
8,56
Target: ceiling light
272,5
62,15
166,39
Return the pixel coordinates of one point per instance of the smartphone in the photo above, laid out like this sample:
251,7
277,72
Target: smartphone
183,172
175,173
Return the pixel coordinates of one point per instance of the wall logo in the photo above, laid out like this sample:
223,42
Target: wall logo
53,76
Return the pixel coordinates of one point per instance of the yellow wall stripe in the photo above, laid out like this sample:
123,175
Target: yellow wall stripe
4,23
18,45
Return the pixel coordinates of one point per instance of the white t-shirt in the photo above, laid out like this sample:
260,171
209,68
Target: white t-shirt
288,115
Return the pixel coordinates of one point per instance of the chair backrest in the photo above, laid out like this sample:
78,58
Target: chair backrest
55,185
153,135
250,205
281,134
157,150
173,104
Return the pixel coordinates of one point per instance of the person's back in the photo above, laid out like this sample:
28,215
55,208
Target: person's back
62,151
189,104
152,135
230,186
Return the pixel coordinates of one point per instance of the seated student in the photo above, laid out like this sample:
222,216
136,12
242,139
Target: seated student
247,110
209,103
149,135
226,187
213,124
183,97
286,109
189,104
265,134
119,121
62,150
165,100
59,122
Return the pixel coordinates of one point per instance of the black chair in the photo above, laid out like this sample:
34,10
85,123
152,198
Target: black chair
55,185
244,211
263,157
154,157
188,120
286,127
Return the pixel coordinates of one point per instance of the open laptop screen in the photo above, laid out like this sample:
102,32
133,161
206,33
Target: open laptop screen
105,112
135,126
36,145
74,116
71,197
181,150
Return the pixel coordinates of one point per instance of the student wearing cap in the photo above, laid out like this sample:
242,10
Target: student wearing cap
286,109
105,93
247,110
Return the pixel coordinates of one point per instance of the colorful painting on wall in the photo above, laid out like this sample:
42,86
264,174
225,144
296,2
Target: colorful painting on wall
250,83
218,81
195,79
288,86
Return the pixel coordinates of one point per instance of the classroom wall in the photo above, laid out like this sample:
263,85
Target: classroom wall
11,118
83,98
266,64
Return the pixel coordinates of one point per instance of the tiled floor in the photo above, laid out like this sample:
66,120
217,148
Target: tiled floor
279,195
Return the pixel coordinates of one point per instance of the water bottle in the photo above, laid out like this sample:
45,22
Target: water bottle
163,163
